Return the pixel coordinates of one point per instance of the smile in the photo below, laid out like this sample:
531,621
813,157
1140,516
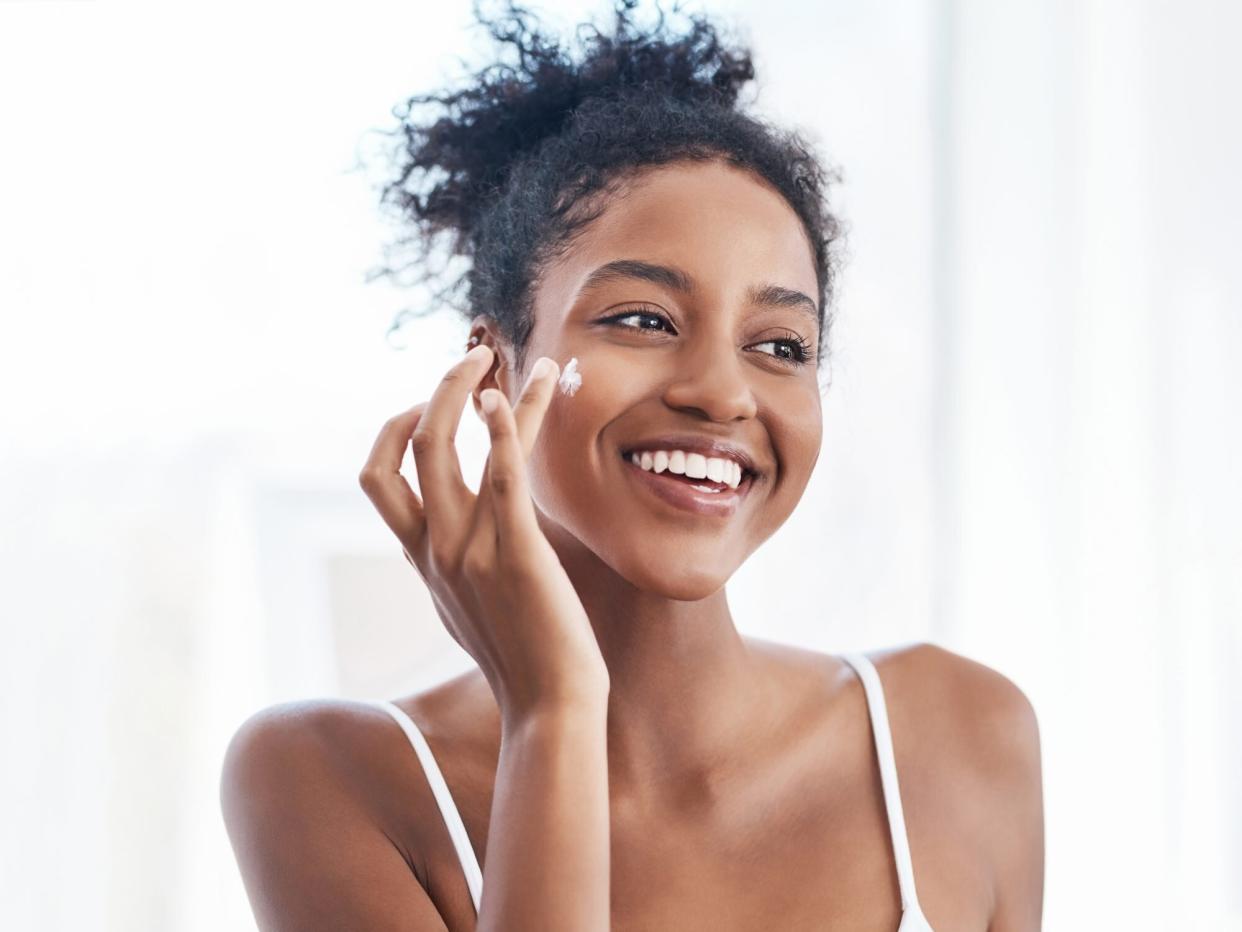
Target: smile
703,496
719,471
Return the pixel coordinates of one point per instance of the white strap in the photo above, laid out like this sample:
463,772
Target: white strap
888,777
444,799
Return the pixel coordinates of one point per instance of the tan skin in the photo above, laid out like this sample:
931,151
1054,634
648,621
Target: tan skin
691,778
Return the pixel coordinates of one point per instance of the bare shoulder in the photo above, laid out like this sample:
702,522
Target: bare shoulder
968,737
294,758
308,791
961,698
312,735
350,747
319,793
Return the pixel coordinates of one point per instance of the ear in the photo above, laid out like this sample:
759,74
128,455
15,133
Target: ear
483,329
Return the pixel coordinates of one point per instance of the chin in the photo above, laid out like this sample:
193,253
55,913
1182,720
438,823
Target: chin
672,577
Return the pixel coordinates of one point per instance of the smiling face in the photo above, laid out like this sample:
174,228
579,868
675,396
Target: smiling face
688,305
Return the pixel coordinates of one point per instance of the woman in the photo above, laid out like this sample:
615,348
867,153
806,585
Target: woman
622,758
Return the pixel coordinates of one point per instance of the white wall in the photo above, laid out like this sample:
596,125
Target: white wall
1031,438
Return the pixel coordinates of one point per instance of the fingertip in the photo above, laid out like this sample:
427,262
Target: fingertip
489,399
479,352
540,370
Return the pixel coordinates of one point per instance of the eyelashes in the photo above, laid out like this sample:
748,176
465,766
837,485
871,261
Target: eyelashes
803,351
652,315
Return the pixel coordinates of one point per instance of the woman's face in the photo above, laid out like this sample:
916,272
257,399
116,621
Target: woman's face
694,340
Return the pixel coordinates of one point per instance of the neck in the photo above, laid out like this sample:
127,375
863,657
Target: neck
682,679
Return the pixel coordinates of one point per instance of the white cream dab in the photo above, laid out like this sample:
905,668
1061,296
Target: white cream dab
571,378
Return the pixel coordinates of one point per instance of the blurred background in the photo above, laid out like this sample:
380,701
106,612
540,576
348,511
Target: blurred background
1032,438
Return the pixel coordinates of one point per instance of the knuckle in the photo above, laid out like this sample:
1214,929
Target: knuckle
444,561
503,483
533,395
500,422
532,407
476,564
422,441
368,478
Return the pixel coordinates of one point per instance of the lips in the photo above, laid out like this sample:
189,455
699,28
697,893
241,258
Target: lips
680,493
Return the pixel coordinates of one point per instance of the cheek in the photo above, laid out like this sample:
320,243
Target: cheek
569,452
797,442
797,433
808,438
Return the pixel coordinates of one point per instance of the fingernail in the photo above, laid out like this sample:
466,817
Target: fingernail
542,368
488,400
478,351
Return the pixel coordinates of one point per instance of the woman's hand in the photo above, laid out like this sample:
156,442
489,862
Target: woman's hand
497,584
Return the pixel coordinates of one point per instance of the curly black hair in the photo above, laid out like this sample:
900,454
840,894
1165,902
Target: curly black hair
501,173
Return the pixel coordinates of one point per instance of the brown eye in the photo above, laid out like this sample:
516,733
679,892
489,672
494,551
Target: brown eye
790,349
650,320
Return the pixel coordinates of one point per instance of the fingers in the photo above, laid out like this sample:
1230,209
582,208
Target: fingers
533,403
506,487
528,412
383,483
433,441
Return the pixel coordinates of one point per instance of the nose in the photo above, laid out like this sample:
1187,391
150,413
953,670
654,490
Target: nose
712,383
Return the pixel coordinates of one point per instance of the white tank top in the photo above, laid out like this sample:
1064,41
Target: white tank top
912,918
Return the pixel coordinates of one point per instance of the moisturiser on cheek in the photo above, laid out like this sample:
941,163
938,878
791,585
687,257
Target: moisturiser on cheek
571,378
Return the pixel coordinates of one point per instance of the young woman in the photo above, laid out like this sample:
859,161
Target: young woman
622,758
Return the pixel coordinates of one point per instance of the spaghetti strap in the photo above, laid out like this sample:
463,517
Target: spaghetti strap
912,912
912,919
444,799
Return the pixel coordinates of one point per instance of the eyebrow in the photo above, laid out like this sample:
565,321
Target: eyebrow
677,280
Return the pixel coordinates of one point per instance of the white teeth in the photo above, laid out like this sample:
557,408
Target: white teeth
692,465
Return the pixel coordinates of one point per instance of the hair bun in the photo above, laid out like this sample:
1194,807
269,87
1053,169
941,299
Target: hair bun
458,157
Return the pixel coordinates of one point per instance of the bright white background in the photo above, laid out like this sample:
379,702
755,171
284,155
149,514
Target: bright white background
1031,450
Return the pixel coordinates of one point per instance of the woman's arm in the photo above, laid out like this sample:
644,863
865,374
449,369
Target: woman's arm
501,591
547,864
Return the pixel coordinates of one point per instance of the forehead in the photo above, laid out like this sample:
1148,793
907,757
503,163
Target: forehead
723,225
